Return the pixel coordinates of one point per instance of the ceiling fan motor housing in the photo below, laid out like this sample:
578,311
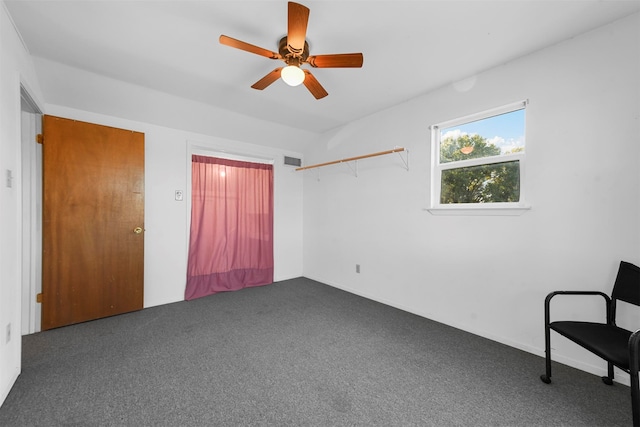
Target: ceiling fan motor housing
290,56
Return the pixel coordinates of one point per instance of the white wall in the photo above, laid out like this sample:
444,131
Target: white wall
86,91
489,274
167,155
16,68
171,126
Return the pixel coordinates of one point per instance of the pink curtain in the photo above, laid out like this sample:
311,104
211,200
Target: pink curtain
231,239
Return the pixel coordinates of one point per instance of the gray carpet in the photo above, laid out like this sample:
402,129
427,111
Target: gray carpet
295,353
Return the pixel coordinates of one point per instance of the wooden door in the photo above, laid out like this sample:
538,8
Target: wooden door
93,213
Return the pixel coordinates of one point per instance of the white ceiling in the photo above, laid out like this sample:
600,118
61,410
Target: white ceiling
409,47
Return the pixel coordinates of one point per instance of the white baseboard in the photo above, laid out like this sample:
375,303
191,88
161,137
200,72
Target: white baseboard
621,377
12,380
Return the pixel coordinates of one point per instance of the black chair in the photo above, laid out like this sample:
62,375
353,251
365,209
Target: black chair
618,346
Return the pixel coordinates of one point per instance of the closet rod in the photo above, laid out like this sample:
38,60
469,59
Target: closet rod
350,159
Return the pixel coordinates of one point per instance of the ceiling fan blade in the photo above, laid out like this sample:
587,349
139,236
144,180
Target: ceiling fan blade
297,27
268,79
231,42
314,86
339,60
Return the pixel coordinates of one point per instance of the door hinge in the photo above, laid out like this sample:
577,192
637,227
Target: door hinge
39,297
40,138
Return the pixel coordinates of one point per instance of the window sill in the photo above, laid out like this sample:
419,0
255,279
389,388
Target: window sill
467,210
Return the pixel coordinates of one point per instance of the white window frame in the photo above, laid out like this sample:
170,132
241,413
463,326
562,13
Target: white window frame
506,208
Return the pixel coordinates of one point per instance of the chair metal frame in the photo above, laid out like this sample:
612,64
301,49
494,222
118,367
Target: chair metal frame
633,344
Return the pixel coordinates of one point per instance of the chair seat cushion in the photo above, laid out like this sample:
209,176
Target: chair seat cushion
609,342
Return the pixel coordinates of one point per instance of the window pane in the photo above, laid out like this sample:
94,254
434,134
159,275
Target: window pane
494,183
493,136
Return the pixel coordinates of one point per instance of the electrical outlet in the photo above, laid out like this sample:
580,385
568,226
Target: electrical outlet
8,332
9,177
357,268
179,195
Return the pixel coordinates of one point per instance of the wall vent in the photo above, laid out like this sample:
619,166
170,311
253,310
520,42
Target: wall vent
292,161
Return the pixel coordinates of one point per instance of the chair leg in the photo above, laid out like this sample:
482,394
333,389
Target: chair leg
635,399
546,377
608,380
634,366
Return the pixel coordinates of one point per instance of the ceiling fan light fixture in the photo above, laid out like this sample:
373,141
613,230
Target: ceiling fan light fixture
292,75
467,149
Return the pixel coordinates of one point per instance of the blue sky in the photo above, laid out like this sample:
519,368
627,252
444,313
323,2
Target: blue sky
505,131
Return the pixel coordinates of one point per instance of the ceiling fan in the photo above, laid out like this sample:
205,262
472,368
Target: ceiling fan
293,49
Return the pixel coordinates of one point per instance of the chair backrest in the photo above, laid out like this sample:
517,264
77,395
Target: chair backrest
627,286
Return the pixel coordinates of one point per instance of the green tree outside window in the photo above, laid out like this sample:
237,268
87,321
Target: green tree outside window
490,183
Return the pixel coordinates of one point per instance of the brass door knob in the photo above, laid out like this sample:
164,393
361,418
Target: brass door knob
137,230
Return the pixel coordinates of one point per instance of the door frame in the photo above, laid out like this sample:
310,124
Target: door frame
31,178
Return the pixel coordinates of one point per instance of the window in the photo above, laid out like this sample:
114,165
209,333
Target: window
478,160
